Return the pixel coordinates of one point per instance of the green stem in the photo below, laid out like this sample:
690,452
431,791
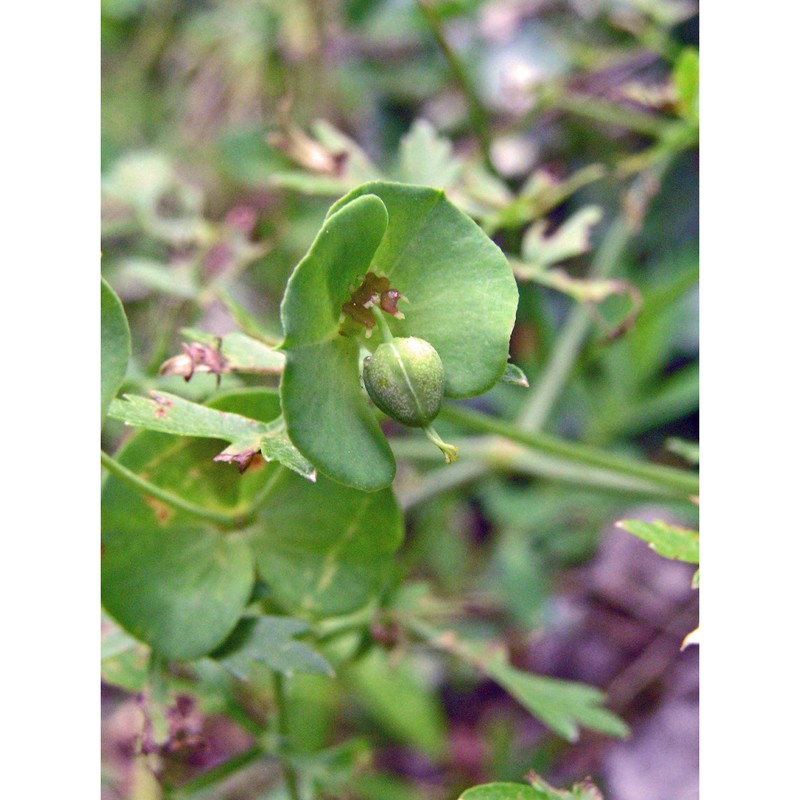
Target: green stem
289,772
145,487
478,115
386,331
678,481
218,774
440,481
449,450
603,111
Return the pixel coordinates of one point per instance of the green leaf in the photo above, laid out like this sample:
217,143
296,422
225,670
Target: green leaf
179,590
115,344
538,790
462,297
169,413
395,697
270,640
325,549
689,451
427,158
327,414
515,375
670,541
503,791
571,239
172,582
564,706
686,77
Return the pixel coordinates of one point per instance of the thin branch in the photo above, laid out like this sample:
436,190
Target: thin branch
221,518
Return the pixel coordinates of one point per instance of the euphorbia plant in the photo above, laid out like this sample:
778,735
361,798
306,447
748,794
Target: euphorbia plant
401,303
460,298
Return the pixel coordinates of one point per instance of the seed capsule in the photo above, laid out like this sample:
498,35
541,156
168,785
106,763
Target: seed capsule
405,379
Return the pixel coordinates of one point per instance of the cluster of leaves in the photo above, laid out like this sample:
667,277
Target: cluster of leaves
287,581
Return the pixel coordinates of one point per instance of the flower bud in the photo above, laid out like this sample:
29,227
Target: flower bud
405,379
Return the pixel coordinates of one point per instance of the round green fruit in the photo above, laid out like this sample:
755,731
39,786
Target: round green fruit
405,379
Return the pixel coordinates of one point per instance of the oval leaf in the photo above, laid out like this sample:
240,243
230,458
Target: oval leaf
327,414
325,549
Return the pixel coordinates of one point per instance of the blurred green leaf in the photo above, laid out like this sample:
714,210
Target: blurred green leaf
571,238
115,345
563,706
270,640
686,77
396,698
427,159
538,790
515,375
670,541
689,451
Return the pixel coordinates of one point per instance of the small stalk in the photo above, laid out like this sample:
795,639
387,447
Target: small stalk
450,451
289,772
383,325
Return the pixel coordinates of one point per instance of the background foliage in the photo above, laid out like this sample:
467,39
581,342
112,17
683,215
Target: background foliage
568,131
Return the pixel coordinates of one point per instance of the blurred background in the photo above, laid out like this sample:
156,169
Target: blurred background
229,128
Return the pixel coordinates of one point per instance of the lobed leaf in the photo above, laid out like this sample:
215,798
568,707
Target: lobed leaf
270,640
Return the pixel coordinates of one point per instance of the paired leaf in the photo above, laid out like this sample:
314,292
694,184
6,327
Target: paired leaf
169,413
270,640
115,344
462,298
179,590
670,541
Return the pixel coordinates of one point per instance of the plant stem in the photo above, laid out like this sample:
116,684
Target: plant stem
220,518
603,111
386,331
217,774
289,772
440,481
680,481
478,116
